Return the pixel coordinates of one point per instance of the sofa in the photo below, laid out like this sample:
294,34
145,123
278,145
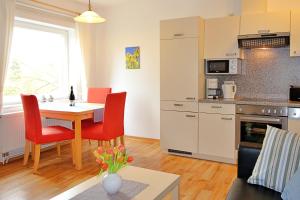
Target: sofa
240,189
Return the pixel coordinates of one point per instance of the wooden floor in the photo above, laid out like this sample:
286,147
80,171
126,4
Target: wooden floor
200,179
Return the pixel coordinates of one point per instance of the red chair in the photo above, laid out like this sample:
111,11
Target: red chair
98,95
112,126
95,95
36,135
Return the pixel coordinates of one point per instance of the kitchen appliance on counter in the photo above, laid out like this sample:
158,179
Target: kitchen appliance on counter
294,93
252,121
212,89
229,89
223,66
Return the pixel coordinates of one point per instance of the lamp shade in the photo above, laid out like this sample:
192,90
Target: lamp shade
89,17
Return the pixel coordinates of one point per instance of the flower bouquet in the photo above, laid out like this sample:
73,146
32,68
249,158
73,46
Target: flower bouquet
112,160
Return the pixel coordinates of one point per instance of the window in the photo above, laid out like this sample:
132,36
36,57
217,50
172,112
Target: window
39,62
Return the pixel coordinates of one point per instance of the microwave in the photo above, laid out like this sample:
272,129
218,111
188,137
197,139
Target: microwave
223,66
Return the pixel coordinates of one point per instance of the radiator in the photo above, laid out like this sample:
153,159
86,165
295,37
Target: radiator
12,135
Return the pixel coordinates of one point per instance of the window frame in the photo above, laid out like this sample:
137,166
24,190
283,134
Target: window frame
67,33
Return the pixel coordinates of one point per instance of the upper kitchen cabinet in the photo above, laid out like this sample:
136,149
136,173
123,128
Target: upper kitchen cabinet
180,28
295,34
221,38
260,23
181,60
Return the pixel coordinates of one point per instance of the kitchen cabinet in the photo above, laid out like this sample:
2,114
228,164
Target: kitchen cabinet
295,34
260,23
181,60
181,28
294,120
217,132
221,38
179,131
179,106
294,125
179,69
182,83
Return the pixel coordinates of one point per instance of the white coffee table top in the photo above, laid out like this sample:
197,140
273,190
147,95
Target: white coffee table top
160,183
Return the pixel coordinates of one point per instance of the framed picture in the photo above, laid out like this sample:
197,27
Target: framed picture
132,57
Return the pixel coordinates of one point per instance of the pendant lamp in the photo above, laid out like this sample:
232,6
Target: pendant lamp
89,16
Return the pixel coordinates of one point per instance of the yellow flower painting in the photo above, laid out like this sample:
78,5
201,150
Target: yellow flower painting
132,57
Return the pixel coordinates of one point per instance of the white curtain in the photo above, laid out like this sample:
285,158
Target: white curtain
86,36
7,15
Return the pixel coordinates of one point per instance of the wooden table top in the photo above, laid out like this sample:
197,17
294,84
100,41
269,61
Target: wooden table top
64,107
160,183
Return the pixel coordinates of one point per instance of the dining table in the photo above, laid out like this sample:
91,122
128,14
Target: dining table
77,113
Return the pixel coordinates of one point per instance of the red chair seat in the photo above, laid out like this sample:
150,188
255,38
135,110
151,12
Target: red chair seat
113,121
94,132
55,134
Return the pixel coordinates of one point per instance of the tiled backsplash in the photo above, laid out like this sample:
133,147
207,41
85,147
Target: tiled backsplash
268,74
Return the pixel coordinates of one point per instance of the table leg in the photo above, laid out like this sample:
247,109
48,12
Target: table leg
175,193
78,146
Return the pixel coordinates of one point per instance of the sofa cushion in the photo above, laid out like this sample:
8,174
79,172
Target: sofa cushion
241,190
292,188
278,159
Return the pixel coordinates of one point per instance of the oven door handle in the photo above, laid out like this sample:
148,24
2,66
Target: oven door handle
261,119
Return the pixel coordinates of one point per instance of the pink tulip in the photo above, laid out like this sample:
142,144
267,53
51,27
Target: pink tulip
100,150
110,151
121,148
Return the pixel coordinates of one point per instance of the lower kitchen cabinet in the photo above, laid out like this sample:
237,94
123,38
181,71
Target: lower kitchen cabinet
179,131
294,125
217,137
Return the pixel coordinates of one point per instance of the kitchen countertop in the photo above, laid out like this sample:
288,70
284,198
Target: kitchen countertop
253,101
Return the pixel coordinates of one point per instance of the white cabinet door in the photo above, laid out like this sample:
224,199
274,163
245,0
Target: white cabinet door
294,125
179,69
182,27
221,38
265,23
295,34
179,131
217,135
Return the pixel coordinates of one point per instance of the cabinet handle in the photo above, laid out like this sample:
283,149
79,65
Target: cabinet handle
216,107
191,116
226,118
178,34
190,98
177,104
263,31
230,54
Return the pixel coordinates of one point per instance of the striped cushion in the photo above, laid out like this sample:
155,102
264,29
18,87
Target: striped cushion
278,159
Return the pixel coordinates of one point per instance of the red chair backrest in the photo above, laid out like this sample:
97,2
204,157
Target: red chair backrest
113,121
32,117
98,95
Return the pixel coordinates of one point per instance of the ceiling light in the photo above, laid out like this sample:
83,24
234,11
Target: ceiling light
89,16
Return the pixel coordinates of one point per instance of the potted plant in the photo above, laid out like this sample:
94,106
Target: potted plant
112,160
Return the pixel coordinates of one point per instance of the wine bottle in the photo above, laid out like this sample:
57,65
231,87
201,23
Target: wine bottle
72,97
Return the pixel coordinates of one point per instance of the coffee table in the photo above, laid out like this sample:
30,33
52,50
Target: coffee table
161,184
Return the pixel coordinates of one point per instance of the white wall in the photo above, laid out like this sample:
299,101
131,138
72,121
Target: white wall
137,24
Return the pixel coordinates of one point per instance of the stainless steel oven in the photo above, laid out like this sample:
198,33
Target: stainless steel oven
252,121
